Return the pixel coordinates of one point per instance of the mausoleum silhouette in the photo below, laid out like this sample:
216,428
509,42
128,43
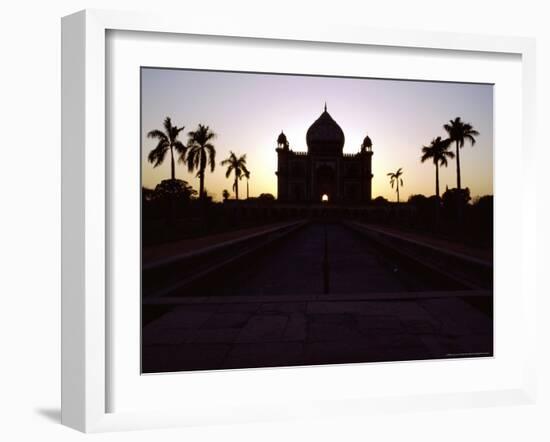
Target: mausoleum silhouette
324,172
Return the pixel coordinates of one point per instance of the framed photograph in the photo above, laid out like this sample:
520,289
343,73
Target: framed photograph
262,223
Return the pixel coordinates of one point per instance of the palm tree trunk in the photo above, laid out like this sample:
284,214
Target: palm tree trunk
172,165
247,195
172,199
398,192
236,187
201,184
458,166
201,176
437,180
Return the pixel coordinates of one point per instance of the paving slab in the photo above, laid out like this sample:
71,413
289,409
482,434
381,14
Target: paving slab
214,335
421,326
263,328
337,352
160,336
457,317
182,319
333,332
283,307
222,319
169,358
241,307
378,323
409,309
272,354
296,329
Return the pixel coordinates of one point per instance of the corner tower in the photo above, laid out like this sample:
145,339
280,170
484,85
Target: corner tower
366,164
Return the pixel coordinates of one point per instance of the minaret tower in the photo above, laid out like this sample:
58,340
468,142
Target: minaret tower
283,152
366,169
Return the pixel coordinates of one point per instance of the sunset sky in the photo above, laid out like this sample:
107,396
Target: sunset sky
247,111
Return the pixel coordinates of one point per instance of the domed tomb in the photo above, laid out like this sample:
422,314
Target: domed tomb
324,174
325,136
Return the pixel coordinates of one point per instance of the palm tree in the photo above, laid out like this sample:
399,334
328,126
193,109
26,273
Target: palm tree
200,153
395,178
438,151
168,140
246,174
459,132
238,165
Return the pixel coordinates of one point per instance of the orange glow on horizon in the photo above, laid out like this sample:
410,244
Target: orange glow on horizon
248,111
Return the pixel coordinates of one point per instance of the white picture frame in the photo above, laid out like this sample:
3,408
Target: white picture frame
85,201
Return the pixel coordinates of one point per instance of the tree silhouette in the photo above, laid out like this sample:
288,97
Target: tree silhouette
266,197
225,194
201,152
395,178
459,132
246,175
168,140
237,165
175,189
438,151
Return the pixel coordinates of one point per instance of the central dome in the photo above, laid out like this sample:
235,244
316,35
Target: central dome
325,136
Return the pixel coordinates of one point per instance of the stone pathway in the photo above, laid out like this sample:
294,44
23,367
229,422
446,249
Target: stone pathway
272,311
257,334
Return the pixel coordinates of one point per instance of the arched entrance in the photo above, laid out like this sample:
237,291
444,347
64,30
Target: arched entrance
325,183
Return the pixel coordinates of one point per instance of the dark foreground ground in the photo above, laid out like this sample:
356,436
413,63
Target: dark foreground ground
323,295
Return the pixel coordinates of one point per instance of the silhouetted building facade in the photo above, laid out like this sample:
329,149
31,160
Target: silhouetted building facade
324,172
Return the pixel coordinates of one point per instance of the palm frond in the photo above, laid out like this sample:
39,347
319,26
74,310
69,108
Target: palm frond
212,158
228,171
470,138
180,147
191,159
157,155
177,130
168,125
157,134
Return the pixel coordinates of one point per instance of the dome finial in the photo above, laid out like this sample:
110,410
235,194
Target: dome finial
325,106
325,135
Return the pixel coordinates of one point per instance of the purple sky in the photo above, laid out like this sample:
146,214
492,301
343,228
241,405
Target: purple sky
247,111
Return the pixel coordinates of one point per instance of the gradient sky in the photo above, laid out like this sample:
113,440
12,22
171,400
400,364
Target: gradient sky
247,111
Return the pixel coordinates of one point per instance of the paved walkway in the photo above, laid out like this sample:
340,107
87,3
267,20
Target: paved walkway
204,336
295,266
273,312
